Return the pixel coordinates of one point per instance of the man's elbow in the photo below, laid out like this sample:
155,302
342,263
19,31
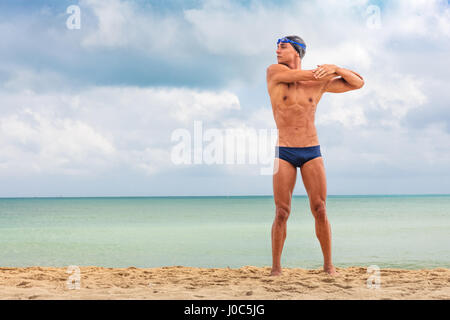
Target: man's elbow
360,85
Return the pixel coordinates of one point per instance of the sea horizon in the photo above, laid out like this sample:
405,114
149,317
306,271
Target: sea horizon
228,196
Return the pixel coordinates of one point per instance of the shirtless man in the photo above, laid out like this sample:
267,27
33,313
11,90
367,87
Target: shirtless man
294,94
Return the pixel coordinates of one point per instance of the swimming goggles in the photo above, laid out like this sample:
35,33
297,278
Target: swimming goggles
286,40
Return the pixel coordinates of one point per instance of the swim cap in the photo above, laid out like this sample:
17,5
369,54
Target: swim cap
297,43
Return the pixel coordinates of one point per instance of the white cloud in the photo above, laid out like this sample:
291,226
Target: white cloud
205,106
113,17
227,28
123,24
101,128
37,144
423,18
392,94
392,152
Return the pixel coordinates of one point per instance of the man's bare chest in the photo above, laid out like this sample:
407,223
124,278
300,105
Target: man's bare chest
298,94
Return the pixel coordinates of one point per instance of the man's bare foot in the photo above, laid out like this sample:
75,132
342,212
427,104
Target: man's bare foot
331,270
275,272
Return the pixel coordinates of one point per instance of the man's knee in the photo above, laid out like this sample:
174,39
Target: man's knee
282,214
319,210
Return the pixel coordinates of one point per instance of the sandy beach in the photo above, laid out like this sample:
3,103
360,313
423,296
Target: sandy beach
248,283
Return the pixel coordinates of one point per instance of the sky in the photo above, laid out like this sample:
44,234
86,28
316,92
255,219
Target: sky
105,105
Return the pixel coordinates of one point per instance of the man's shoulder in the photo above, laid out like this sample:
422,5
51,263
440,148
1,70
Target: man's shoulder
276,66
272,70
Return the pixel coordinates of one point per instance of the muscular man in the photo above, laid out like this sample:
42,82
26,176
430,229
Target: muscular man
294,94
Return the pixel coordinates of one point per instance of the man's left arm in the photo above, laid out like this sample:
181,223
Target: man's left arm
349,80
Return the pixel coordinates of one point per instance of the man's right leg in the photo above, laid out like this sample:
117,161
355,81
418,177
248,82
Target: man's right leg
283,186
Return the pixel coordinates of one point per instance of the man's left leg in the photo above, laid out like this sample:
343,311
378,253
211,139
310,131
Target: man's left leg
314,180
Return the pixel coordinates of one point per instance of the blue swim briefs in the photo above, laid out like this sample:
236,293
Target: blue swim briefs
297,156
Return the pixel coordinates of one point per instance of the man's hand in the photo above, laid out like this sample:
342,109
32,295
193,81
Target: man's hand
324,70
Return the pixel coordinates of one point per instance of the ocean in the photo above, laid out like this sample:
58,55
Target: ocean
401,231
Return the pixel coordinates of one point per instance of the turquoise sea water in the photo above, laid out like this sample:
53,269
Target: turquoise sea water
389,231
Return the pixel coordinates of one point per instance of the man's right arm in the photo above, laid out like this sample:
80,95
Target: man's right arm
281,73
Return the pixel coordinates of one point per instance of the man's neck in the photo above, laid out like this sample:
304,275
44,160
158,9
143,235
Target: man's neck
296,64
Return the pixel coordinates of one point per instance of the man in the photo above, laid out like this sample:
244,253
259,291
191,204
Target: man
294,94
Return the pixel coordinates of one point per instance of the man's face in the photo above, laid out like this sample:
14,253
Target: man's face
285,52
